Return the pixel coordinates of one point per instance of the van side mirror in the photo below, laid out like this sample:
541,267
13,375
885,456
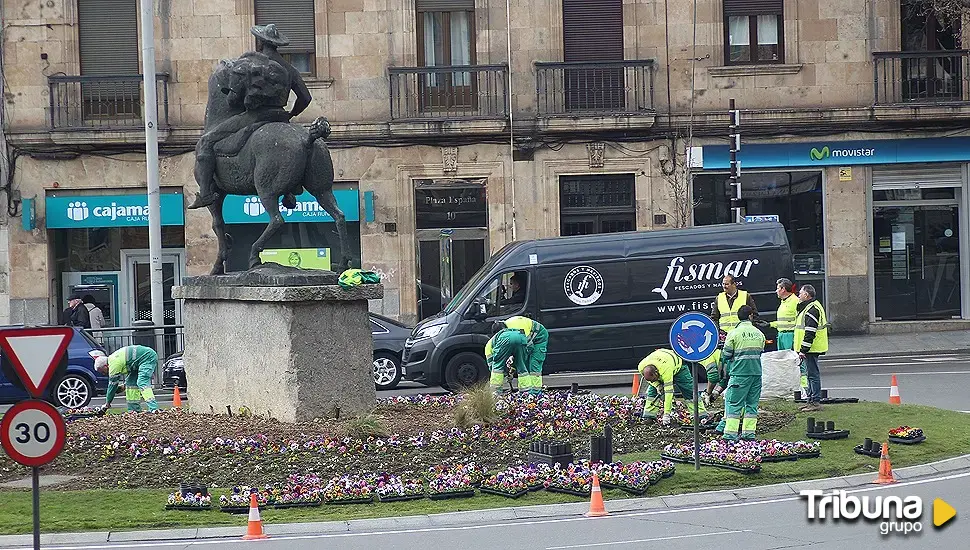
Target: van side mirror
477,310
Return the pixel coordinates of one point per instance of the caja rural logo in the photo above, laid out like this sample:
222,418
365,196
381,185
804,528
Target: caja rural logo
899,515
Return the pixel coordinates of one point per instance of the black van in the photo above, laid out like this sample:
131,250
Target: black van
607,300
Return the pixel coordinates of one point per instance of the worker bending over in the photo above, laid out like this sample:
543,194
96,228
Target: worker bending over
133,365
537,340
662,370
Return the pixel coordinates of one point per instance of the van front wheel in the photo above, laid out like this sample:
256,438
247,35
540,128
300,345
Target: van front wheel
465,370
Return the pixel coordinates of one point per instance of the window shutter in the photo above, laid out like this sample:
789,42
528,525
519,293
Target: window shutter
592,30
754,7
108,37
445,5
293,18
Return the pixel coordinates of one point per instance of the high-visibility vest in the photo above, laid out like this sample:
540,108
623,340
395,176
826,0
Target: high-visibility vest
729,314
787,311
821,342
667,362
488,348
520,323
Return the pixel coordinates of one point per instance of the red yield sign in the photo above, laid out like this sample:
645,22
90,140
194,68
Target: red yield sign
35,353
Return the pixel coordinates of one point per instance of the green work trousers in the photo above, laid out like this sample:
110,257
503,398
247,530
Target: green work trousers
684,382
138,386
741,399
534,359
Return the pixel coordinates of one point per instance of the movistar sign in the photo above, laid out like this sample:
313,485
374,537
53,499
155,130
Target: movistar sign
825,153
840,153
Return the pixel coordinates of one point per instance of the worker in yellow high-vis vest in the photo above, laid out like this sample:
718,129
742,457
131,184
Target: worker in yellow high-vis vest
537,341
662,370
133,365
811,341
727,304
785,320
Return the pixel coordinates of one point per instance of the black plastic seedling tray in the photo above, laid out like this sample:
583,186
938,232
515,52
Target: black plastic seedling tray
516,494
452,494
836,434
402,498
874,453
906,440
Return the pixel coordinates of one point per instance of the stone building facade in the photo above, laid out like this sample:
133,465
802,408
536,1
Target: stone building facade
504,121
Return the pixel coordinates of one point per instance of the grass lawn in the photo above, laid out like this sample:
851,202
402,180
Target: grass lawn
947,432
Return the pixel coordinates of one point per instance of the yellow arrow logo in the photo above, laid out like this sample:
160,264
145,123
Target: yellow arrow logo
942,512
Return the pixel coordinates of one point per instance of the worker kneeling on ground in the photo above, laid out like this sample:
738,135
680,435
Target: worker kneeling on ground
504,350
134,365
537,340
717,380
742,357
662,370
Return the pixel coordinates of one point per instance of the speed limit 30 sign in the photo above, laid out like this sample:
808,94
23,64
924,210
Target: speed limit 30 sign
32,432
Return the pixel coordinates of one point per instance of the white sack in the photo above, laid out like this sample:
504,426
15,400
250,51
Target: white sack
780,374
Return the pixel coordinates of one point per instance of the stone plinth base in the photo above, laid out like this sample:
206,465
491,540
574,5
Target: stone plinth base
277,342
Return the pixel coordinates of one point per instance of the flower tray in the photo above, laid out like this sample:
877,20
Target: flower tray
401,498
783,458
836,434
636,491
874,453
672,458
907,440
537,487
285,505
234,509
517,494
188,508
669,474
553,489
368,500
452,494
814,454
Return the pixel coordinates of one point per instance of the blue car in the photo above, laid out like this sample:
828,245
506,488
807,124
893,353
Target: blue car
80,383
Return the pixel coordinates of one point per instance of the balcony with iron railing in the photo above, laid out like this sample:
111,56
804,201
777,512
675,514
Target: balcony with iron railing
921,77
595,88
449,92
102,102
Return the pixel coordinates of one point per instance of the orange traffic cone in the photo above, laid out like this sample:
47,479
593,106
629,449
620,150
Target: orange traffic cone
894,392
885,467
255,529
636,384
596,507
177,398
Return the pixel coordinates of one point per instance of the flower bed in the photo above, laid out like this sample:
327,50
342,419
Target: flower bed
82,412
778,451
390,488
634,477
194,502
348,489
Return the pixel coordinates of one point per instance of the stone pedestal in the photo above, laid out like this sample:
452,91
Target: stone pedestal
283,342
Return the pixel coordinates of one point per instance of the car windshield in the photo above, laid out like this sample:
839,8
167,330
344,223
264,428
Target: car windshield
475,280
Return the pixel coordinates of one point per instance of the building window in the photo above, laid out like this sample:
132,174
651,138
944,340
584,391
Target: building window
295,21
446,38
754,31
108,47
597,204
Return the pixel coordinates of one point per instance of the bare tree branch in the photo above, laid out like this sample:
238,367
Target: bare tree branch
947,12
677,181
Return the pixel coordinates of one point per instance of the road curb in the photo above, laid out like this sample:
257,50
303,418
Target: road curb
497,515
870,355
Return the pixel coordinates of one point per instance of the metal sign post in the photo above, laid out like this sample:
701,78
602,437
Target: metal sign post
735,180
32,432
693,337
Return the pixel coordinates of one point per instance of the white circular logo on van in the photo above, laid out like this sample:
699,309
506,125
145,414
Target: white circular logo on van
583,285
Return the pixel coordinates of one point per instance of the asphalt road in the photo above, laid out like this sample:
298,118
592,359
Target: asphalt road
941,380
752,525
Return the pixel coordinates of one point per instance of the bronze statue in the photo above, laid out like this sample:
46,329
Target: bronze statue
249,147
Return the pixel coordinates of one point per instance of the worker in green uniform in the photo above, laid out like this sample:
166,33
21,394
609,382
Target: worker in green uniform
742,356
134,365
716,379
537,340
505,343
662,370
785,320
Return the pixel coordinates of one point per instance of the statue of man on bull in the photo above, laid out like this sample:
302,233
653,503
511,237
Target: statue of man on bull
250,147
